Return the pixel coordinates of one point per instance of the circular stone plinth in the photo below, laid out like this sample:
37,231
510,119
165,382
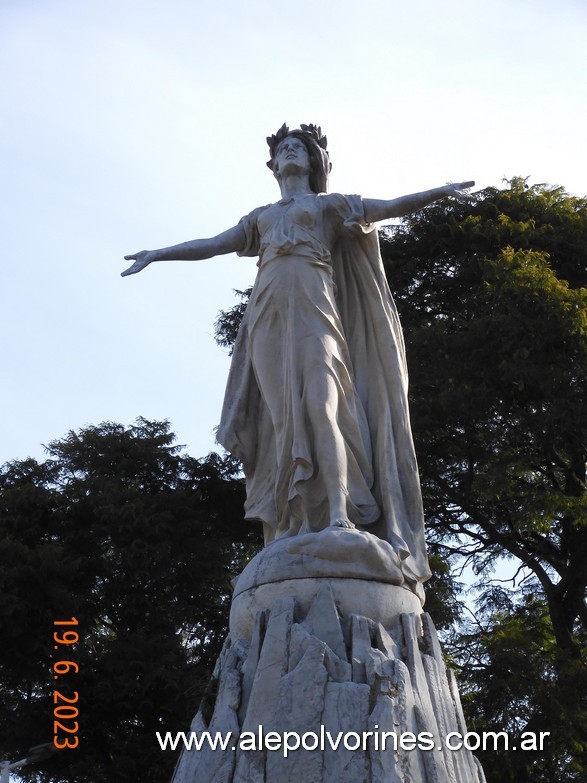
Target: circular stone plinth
379,601
362,570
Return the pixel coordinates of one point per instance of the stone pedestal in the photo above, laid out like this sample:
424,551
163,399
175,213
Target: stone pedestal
337,659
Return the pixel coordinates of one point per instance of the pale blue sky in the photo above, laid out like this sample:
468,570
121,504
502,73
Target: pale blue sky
129,124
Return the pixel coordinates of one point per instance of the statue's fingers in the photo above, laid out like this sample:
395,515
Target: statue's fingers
131,270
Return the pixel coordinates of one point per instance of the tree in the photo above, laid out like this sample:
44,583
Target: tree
498,355
137,541
492,298
515,679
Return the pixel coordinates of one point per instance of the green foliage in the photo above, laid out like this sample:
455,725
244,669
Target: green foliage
493,302
443,590
515,679
228,322
139,542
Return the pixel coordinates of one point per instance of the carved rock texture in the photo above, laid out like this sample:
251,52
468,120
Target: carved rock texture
315,671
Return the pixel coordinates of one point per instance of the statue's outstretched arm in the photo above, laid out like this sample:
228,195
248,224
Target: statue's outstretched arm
197,249
379,209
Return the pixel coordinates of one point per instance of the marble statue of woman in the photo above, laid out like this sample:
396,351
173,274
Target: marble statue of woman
316,402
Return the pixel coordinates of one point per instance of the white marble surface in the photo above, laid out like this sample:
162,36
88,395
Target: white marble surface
313,669
333,552
383,602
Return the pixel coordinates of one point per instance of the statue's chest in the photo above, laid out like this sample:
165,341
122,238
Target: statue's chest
288,216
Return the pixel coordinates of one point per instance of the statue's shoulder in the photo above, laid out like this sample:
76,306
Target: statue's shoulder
249,221
342,204
337,198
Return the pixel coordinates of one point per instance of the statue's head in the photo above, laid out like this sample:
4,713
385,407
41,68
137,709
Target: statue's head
315,144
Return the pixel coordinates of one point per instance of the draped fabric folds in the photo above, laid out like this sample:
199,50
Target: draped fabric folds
316,401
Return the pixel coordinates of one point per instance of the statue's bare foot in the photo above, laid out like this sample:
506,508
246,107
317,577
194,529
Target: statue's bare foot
342,523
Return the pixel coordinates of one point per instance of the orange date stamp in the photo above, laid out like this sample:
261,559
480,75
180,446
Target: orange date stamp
65,713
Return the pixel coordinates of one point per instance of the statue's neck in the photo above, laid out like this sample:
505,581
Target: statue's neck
295,185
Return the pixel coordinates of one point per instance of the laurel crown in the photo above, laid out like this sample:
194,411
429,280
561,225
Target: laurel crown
313,130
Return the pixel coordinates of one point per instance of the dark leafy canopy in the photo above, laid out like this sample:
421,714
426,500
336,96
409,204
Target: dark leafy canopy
493,300
494,306
514,678
139,542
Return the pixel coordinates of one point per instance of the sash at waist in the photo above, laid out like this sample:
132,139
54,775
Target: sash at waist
291,252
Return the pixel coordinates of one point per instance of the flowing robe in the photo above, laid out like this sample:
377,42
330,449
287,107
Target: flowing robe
316,402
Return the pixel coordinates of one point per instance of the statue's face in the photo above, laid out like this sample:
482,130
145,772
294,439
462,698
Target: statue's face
292,154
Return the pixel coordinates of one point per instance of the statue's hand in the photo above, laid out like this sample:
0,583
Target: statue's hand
141,260
459,189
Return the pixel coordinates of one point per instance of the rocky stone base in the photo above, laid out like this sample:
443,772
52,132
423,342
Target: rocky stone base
306,667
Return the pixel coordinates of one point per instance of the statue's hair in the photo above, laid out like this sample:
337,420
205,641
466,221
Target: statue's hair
315,143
